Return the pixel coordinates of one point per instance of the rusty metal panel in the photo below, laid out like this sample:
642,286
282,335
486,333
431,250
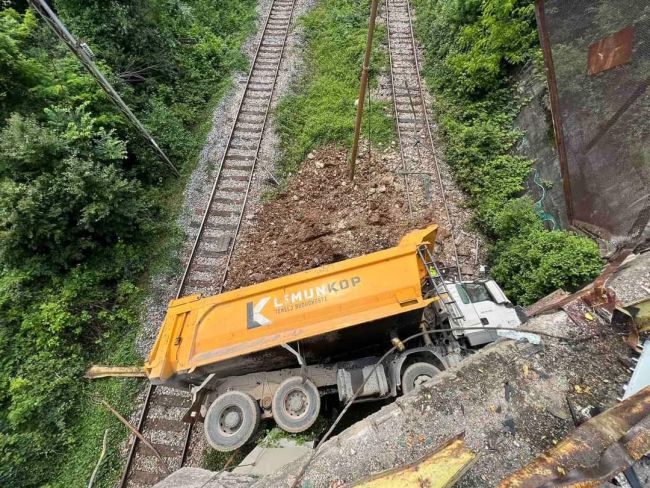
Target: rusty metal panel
595,452
611,51
597,57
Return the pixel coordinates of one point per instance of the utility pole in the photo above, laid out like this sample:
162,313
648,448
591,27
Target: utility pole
85,55
362,88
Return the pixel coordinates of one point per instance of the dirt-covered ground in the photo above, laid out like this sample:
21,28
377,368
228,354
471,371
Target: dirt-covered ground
322,217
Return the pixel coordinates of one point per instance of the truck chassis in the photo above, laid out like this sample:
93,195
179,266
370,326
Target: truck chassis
232,407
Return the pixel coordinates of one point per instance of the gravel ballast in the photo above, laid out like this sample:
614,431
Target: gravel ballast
163,286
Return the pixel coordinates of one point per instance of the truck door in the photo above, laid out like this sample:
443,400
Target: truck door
484,312
502,312
492,308
471,318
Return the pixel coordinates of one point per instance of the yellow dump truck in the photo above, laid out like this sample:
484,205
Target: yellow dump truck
272,349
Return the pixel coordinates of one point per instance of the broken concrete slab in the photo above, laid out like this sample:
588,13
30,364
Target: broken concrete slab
263,460
509,399
202,478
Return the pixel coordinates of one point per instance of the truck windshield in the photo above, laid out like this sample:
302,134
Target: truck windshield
473,292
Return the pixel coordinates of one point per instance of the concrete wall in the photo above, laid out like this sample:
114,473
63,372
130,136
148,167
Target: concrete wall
538,144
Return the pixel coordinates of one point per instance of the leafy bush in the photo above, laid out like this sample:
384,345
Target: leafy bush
83,209
536,263
66,196
470,48
514,218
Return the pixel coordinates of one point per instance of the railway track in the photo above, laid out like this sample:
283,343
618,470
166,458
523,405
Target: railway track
417,150
215,231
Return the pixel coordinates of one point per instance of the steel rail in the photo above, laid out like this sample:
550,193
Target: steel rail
143,414
399,131
199,235
224,274
217,179
428,128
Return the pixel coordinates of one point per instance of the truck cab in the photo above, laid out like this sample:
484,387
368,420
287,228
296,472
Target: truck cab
483,304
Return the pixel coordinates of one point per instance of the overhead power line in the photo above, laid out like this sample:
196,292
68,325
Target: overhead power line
85,55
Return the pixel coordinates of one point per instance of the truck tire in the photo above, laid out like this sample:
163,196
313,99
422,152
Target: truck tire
417,374
296,404
231,421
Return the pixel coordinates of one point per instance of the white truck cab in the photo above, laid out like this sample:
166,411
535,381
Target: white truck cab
482,304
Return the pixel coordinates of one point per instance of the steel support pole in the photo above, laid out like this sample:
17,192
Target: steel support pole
362,88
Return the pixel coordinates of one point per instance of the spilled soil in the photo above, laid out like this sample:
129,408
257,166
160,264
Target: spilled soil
322,217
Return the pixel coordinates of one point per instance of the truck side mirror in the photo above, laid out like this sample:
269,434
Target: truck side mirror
495,292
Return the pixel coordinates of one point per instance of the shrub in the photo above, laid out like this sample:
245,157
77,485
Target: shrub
535,263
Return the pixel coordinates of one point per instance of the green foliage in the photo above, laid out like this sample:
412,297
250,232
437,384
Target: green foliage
538,262
476,41
64,196
515,217
20,72
322,107
86,210
471,47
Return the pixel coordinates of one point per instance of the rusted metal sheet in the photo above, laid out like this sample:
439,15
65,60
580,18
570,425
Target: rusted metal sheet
639,312
637,315
595,452
599,91
440,469
611,51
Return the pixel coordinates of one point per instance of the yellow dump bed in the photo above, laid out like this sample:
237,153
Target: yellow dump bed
205,331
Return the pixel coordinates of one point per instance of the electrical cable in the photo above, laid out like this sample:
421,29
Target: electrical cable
85,56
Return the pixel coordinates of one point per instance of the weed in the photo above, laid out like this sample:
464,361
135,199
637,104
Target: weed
321,108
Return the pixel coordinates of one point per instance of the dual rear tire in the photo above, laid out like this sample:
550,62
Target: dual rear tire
234,417
416,375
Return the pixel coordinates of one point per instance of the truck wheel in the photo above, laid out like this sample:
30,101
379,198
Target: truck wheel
417,374
231,421
296,404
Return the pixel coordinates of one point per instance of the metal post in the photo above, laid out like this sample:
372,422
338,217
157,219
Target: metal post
84,54
362,88
555,107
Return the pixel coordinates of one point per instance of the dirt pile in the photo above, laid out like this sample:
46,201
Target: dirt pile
322,217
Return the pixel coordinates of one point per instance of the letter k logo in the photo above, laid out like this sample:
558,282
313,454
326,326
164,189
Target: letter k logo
254,314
